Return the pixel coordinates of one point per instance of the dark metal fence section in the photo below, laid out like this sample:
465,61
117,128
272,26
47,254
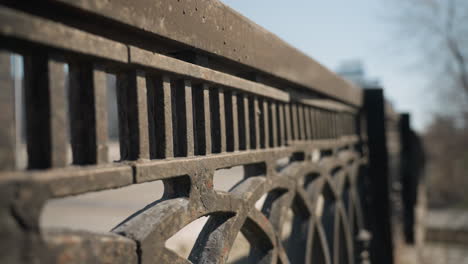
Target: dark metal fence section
412,164
187,106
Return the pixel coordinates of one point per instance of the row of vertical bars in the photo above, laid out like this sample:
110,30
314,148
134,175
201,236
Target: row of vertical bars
309,123
159,117
45,110
186,119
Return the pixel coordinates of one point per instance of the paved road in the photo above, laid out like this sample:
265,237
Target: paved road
446,230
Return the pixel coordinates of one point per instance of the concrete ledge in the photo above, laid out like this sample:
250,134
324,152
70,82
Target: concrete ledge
211,26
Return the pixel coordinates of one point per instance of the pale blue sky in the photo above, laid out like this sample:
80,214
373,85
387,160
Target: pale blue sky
336,30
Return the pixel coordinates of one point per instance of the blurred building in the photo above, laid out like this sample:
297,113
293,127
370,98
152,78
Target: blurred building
353,71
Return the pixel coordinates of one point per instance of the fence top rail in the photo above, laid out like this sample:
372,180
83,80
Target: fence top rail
328,105
215,29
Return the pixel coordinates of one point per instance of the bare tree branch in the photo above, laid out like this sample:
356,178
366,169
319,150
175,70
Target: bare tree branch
440,27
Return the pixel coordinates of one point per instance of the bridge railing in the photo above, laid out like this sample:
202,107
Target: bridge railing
199,88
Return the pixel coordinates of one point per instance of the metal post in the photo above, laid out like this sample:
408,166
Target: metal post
379,215
412,162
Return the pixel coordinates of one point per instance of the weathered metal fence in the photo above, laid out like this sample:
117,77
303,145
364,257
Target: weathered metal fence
199,88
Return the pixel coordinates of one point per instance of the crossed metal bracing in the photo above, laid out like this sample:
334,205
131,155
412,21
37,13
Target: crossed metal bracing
322,194
178,123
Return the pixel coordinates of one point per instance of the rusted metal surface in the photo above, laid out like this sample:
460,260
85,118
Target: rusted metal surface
179,121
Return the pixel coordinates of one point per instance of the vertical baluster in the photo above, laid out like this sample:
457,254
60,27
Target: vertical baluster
311,121
182,117
335,124
351,121
313,124
167,110
332,120
347,125
142,117
216,114
160,117
58,118
100,104
7,116
222,120
266,130
307,122
304,122
133,115
332,124
295,122
88,124
300,110
343,125
189,118
235,122
347,121
242,122
318,122
202,122
256,114
282,137
288,123
247,124
327,124
229,120
274,124
151,84
323,122
261,116
206,111
339,124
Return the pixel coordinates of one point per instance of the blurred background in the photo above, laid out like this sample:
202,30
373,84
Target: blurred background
417,50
